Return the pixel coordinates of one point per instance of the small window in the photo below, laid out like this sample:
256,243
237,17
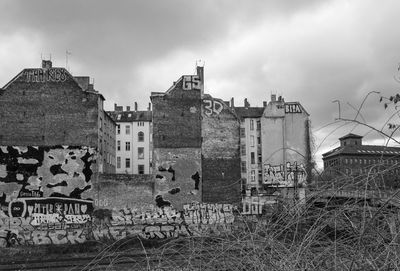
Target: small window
118,162
118,129
252,141
141,169
118,145
258,140
253,159
243,166
242,132
127,162
243,150
253,176
128,129
140,153
127,146
258,125
119,117
251,125
140,136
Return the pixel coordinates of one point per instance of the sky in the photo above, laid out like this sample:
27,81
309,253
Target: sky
320,53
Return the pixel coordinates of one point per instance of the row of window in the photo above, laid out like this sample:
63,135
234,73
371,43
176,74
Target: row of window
368,170
360,161
128,165
252,125
140,150
128,128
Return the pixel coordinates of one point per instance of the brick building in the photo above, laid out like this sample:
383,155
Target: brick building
352,158
54,137
275,151
196,145
134,140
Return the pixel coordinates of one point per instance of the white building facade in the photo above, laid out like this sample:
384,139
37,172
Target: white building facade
133,140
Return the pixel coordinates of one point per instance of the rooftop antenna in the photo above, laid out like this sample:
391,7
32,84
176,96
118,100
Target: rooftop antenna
66,59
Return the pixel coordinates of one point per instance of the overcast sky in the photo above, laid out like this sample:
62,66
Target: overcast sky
313,52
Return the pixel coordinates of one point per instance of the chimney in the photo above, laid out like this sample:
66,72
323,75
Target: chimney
246,103
264,103
135,106
149,108
115,107
200,74
273,97
232,103
128,108
46,64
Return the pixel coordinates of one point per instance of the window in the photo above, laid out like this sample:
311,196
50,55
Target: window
252,141
242,132
118,129
258,125
127,162
140,153
101,124
251,125
243,150
118,145
253,159
243,166
260,176
253,176
128,129
140,123
127,146
259,158
258,140
141,169
118,162
140,136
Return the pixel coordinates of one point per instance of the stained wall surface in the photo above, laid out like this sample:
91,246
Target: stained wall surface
220,152
47,107
285,144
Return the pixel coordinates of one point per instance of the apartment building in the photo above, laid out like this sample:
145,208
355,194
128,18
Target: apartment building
133,140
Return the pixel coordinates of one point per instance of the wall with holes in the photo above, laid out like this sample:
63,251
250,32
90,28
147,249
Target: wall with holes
220,152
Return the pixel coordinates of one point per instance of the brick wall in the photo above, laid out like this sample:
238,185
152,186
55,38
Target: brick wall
177,118
220,152
36,110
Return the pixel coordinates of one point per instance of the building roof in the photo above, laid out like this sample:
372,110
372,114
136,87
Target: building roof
249,112
363,150
350,135
130,116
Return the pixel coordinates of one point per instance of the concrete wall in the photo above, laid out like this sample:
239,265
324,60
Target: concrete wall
220,152
285,144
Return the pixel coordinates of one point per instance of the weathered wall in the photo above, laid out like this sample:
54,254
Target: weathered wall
220,152
177,174
46,107
285,144
41,172
118,191
157,223
177,115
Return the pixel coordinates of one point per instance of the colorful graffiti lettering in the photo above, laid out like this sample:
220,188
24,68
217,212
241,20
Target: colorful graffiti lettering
275,175
156,223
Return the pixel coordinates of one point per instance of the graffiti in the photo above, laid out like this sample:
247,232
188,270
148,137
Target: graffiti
45,75
275,175
42,172
196,178
102,202
212,107
156,223
191,82
170,169
292,108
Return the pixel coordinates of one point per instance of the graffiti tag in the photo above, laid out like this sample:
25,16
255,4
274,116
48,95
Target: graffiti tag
191,82
212,107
